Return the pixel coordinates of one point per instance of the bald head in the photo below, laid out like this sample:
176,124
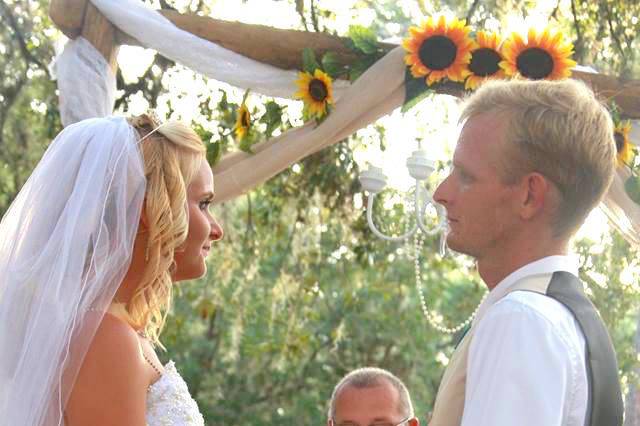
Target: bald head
370,395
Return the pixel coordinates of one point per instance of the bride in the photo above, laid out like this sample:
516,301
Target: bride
114,214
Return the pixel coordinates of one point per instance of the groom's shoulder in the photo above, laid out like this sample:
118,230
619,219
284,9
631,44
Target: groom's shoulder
532,307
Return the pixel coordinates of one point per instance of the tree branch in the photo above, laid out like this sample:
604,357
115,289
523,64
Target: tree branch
314,18
142,84
616,39
300,10
472,10
18,36
555,10
10,95
579,44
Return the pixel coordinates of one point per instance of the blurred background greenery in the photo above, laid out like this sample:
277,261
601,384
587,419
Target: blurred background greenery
300,292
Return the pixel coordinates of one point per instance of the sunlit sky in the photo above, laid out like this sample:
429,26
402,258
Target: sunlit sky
433,122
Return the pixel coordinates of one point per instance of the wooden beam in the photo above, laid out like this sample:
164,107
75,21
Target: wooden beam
283,49
625,93
278,47
68,15
101,34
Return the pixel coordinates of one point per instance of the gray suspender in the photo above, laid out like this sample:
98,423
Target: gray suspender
605,406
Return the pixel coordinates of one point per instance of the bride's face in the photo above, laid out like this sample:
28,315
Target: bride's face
203,228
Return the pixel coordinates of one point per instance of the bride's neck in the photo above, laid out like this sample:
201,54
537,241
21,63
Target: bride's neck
134,275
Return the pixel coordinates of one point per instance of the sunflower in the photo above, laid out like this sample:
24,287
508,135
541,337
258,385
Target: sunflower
485,60
544,55
439,49
243,122
315,91
623,144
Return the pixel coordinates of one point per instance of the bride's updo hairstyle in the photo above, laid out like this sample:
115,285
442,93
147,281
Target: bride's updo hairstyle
172,155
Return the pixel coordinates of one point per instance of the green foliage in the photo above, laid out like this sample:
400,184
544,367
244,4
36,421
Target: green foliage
415,89
364,42
632,188
331,64
309,62
363,39
272,118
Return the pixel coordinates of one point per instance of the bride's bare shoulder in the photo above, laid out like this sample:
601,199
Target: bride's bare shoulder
116,344
112,383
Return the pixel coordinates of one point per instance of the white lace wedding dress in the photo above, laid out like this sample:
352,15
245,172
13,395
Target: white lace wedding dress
169,402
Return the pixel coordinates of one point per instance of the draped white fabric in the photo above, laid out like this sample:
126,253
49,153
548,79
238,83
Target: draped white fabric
87,86
86,83
155,31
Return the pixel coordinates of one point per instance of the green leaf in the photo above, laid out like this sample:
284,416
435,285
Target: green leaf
226,110
213,153
382,132
331,65
632,188
363,39
359,67
223,103
614,110
309,62
245,96
272,117
246,143
416,90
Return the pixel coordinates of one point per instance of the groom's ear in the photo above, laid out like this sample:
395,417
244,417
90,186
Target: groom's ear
534,195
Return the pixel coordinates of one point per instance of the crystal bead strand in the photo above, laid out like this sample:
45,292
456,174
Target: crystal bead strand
433,319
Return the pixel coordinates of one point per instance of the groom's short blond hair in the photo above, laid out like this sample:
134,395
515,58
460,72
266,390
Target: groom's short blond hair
558,129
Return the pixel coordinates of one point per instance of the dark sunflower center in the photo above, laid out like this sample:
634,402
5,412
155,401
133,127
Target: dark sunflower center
535,63
318,90
619,138
484,62
244,118
437,52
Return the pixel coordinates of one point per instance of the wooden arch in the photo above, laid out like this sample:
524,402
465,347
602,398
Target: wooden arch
277,47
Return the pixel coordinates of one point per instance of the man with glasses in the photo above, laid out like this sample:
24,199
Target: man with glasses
371,397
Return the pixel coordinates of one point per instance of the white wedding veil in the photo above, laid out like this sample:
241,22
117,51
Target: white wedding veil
65,245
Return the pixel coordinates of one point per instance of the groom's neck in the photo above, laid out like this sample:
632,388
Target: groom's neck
496,266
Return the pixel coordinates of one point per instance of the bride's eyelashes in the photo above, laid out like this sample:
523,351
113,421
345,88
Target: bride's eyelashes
205,204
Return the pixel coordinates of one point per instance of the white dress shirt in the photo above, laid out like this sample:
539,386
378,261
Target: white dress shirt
526,364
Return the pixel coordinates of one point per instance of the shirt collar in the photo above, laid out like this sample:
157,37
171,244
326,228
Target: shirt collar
546,265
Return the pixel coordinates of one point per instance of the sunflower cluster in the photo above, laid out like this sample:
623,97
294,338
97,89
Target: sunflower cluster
442,48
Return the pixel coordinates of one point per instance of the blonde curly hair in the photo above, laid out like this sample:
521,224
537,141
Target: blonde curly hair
172,154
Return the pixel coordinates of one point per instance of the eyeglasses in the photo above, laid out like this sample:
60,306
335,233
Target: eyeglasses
402,423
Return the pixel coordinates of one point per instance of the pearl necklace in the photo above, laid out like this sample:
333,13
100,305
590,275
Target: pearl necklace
435,319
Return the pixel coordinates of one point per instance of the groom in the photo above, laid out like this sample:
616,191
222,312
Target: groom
533,159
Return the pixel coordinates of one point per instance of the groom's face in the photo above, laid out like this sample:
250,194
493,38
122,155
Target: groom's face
481,207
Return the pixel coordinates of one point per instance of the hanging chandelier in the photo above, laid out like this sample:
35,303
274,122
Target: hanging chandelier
373,180
420,166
